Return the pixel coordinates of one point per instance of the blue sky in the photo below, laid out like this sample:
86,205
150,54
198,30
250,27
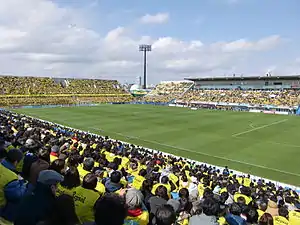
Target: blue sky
233,36
210,20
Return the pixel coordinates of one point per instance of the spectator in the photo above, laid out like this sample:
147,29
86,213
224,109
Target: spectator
294,216
113,183
88,165
42,200
42,163
71,178
62,213
85,197
165,215
197,217
136,212
139,179
12,159
266,219
104,215
146,191
272,206
283,216
58,165
12,187
54,153
251,215
205,192
160,198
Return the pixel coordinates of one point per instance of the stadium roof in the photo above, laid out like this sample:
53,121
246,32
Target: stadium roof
238,78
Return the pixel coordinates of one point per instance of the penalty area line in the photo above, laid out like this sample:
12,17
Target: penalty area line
258,128
201,153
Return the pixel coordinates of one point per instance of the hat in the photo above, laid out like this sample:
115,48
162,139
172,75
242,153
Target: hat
55,149
89,162
134,198
49,177
29,143
175,204
15,155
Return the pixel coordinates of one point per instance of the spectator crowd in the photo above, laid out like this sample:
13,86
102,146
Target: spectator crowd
53,175
45,91
287,98
167,91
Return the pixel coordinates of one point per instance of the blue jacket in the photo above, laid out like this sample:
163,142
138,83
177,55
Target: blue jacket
35,207
14,193
235,220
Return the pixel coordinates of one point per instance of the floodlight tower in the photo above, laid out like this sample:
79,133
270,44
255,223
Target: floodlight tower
145,49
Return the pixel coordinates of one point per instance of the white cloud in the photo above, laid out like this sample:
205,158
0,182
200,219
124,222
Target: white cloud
260,45
41,39
158,18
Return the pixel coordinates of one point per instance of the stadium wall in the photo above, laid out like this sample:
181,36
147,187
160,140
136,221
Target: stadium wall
277,183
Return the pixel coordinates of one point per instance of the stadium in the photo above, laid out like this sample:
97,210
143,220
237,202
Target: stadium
197,131
149,113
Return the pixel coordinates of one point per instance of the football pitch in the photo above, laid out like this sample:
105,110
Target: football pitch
259,144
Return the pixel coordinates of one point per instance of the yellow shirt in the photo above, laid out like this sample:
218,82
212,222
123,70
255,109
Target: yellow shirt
84,201
10,147
100,188
222,221
53,158
294,218
110,156
173,178
260,213
6,176
82,172
240,180
138,182
223,190
247,182
125,162
142,219
247,199
279,220
201,189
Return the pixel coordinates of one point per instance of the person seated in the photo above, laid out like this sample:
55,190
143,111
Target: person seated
137,212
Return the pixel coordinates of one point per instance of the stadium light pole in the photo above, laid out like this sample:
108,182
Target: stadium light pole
145,49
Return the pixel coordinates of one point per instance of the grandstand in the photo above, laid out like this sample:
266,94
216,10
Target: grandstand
166,91
267,94
43,90
82,177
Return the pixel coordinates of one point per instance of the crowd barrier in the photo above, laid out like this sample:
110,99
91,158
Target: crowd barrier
239,173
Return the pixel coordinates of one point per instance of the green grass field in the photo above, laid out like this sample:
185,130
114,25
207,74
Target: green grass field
259,144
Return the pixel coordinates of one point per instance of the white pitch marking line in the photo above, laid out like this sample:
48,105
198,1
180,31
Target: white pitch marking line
203,153
258,128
